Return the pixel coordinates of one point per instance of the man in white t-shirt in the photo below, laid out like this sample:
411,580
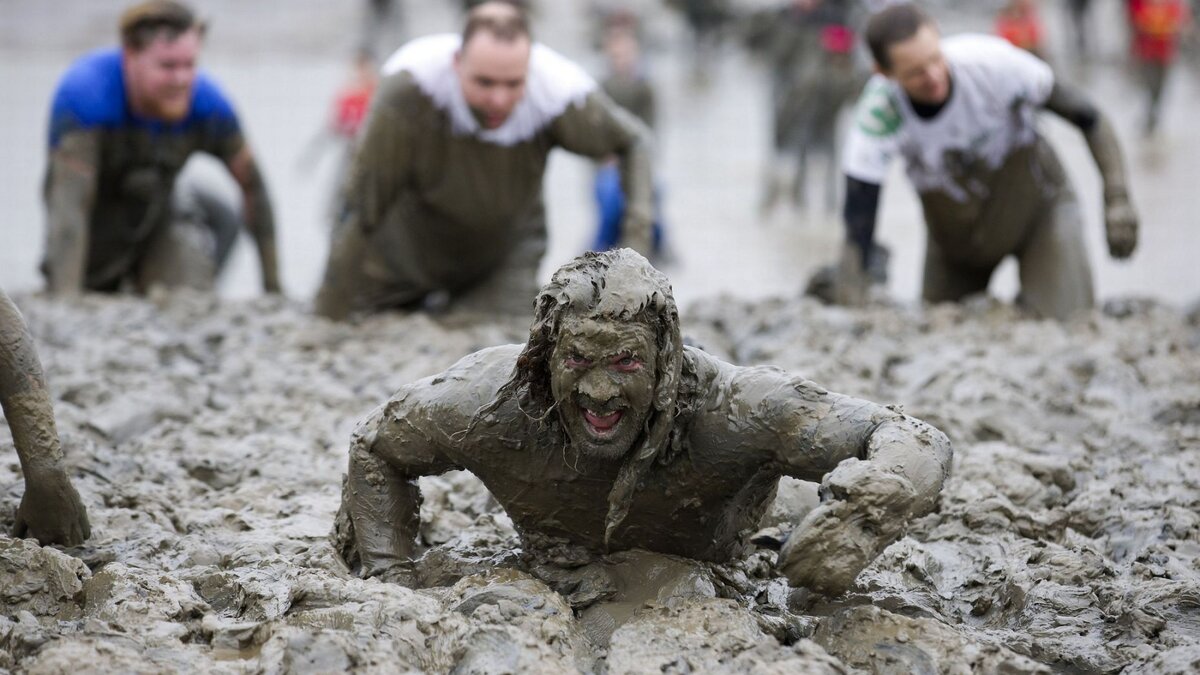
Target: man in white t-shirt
962,113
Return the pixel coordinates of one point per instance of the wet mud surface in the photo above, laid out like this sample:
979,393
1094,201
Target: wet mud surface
208,441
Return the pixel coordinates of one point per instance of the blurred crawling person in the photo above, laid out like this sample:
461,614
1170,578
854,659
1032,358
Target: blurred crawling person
50,510
1157,26
444,197
123,123
961,111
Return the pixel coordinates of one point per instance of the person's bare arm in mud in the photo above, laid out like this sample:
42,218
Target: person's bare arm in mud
1120,219
50,509
70,195
598,128
878,469
257,213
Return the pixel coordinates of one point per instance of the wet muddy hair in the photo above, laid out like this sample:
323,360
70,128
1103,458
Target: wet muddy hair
617,285
893,25
503,19
144,22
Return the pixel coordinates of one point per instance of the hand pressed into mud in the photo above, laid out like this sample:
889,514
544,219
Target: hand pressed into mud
1121,227
52,512
865,509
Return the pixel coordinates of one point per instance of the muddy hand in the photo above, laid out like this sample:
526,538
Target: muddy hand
52,512
850,284
864,509
638,232
1121,226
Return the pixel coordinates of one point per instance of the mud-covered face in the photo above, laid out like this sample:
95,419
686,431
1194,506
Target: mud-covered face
159,77
602,375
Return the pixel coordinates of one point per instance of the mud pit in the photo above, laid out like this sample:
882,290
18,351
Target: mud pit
208,441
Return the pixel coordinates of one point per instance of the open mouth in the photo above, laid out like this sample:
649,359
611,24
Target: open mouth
602,425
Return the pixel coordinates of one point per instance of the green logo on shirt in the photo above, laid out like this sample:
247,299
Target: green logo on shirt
877,114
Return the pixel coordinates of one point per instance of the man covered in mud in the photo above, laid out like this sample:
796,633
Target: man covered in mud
962,113
603,434
123,123
50,509
444,197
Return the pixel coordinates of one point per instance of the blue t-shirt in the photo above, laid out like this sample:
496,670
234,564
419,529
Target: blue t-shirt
91,95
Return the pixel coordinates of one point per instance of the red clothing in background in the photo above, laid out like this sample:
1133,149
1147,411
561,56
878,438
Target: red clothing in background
1156,28
350,109
1023,30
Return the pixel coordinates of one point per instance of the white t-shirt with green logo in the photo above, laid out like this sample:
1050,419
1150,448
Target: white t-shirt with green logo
997,89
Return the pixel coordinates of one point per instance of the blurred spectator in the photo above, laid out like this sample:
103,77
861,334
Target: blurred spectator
383,26
705,19
629,87
1080,25
1157,26
123,123
350,107
809,48
1018,22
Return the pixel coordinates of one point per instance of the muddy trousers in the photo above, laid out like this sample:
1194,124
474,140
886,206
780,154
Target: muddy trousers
188,248
1056,277
1154,79
358,281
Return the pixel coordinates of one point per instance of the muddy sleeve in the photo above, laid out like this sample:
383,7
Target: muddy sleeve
258,215
382,161
820,430
389,452
860,213
884,469
598,128
50,509
1070,104
70,193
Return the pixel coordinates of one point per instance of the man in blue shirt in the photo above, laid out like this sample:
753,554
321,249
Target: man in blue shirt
123,123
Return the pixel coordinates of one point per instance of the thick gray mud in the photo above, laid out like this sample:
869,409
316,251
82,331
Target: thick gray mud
208,440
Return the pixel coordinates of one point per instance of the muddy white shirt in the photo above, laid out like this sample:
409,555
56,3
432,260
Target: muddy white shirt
996,90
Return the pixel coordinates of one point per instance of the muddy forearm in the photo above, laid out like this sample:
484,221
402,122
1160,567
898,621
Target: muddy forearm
24,397
385,507
1071,105
638,184
259,216
890,468
70,197
599,128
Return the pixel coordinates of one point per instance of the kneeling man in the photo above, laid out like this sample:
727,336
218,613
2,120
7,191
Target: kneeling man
603,433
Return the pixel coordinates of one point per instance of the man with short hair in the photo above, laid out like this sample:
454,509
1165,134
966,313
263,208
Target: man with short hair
962,113
445,192
604,433
123,123
50,509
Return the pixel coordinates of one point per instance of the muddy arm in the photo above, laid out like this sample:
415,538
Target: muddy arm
50,509
884,469
1120,220
70,195
257,212
599,128
388,453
